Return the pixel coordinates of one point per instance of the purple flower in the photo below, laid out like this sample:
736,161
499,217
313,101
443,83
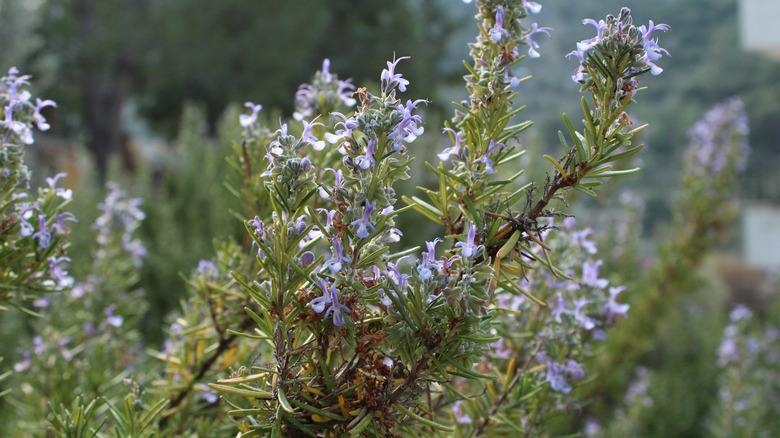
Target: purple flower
455,150
497,31
460,417
532,7
556,379
247,120
600,26
329,296
407,129
329,215
554,374
390,79
613,309
653,52
26,213
575,370
342,134
383,295
590,273
62,193
533,45
325,73
513,81
209,397
486,157
318,145
60,273
580,238
344,92
39,120
334,264
259,227
395,274
559,308
468,248
300,224
739,313
275,147
39,345
428,260
367,160
581,71
339,176
17,127
113,320
208,269
584,320
43,235
363,223
25,364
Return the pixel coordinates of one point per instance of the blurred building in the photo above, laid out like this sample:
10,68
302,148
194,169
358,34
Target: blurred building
758,26
760,33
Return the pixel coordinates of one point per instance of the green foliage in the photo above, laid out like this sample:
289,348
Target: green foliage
187,209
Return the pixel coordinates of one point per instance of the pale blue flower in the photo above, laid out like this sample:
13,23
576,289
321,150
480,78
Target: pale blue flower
559,308
584,320
44,234
460,417
653,51
428,264
39,120
590,274
533,45
363,223
486,157
613,309
317,144
59,272
329,215
395,274
330,296
339,182
497,32
334,264
455,150
575,370
343,134
407,130
391,79
367,160
113,320
468,249
247,120
532,7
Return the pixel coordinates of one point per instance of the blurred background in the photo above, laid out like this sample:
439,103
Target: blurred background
149,92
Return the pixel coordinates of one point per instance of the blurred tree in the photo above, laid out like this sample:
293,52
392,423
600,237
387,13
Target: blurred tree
163,52
95,50
16,34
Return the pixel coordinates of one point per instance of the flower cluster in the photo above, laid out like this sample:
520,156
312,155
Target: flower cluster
20,115
328,281
719,141
100,314
120,219
617,42
32,229
324,94
748,388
